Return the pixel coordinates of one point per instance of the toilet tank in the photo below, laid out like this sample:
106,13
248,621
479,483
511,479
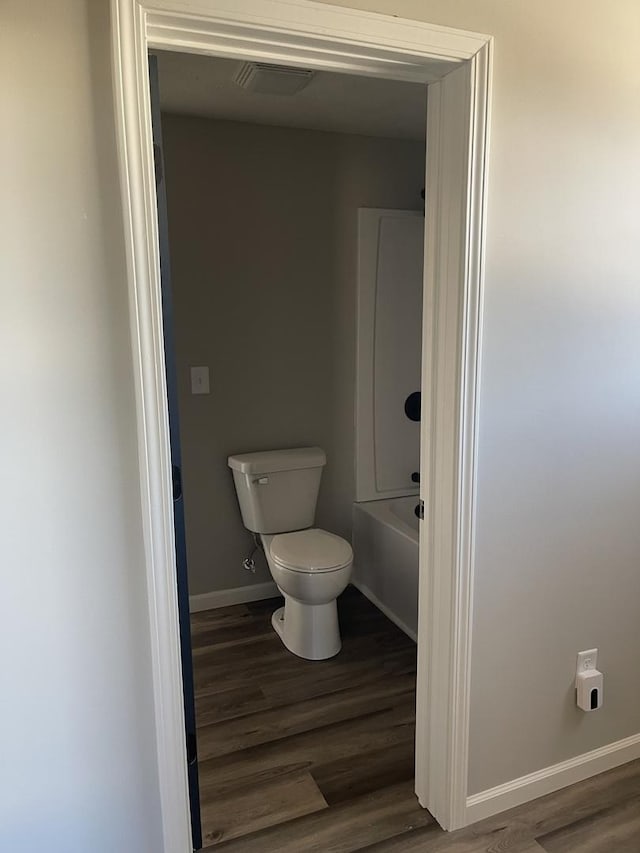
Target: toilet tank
278,489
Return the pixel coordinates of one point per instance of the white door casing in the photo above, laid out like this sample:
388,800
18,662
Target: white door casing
457,67
457,146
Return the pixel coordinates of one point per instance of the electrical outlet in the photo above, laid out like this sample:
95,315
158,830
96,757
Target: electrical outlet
587,660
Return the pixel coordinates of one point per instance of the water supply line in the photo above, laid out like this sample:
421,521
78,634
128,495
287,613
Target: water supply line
249,564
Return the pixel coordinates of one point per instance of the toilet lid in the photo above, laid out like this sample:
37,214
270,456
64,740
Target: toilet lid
310,551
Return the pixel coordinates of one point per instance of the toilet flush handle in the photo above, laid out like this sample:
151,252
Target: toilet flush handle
262,481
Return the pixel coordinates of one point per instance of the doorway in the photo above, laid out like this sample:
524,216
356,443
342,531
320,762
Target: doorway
456,67
269,201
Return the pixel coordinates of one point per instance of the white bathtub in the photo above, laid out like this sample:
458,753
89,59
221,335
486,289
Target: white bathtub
385,547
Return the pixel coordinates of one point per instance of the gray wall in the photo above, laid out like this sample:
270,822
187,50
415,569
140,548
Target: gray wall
78,747
263,231
558,539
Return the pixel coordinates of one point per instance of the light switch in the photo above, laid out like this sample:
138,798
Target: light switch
200,380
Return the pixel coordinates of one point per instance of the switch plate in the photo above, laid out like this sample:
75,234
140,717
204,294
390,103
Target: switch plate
587,661
200,380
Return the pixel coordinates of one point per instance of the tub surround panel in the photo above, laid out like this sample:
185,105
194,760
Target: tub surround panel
389,349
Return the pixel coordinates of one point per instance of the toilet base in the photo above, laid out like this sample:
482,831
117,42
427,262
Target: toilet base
310,631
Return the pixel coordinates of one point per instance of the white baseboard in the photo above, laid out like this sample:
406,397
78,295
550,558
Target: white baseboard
226,597
549,779
364,589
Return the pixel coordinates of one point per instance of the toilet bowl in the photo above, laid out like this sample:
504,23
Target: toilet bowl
311,568
277,493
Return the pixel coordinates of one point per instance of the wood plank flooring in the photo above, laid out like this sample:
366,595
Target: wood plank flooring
318,756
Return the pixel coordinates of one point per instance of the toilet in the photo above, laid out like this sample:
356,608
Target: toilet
277,492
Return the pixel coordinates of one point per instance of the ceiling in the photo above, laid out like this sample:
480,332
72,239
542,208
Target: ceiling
191,84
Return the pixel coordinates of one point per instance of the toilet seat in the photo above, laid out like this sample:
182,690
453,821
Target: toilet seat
311,551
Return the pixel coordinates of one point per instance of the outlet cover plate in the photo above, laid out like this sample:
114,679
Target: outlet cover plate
587,660
200,380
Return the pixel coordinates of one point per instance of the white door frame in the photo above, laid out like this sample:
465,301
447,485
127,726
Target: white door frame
457,66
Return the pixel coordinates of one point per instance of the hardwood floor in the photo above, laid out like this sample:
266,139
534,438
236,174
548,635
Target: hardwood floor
318,756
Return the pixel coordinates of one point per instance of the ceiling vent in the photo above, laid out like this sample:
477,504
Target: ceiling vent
272,79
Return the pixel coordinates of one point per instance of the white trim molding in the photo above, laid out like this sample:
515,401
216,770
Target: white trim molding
550,779
457,149
456,67
311,34
137,182
237,595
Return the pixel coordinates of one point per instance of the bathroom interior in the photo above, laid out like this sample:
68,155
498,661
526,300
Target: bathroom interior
295,208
